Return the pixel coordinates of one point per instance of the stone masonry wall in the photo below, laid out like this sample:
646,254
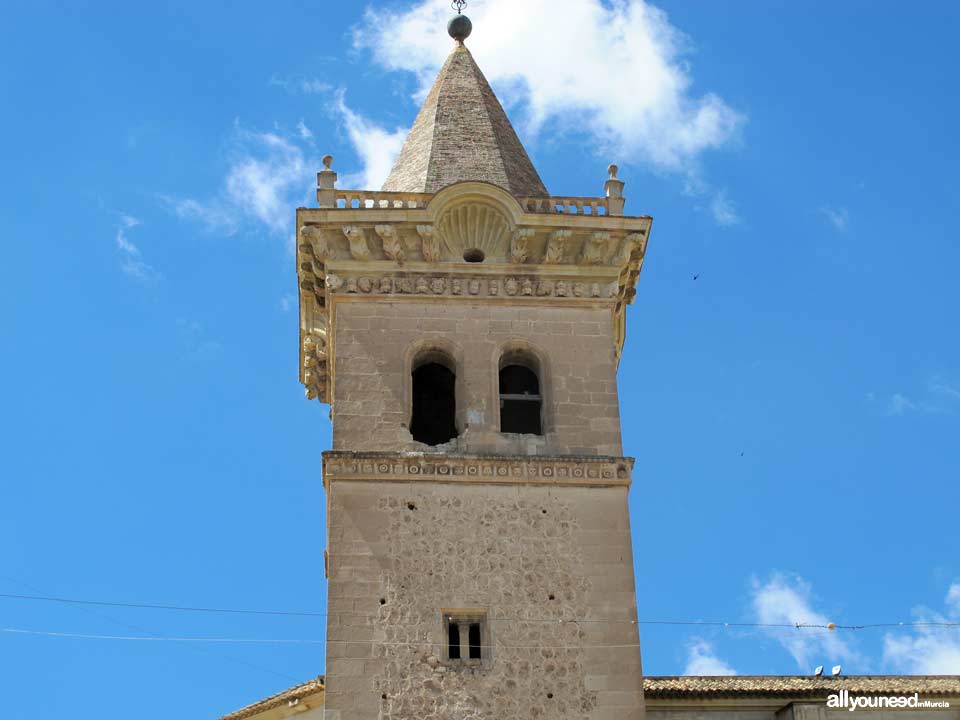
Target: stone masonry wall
376,342
551,568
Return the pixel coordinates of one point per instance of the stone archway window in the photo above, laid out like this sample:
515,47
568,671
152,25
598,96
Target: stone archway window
521,404
433,418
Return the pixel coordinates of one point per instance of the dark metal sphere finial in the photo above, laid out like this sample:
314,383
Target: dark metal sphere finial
459,27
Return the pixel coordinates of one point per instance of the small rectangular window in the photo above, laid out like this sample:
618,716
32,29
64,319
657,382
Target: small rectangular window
466,635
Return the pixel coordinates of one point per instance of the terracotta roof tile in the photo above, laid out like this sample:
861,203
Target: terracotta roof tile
798,686
298,692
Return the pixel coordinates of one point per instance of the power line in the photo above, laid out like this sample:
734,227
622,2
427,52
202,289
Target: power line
149,606
556,620
79,605
296,641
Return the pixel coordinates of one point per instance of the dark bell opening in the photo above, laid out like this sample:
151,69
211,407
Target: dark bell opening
473,255
474,638
520,400
453,641
434,404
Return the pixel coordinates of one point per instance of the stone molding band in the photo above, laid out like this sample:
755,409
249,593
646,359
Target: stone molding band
568,471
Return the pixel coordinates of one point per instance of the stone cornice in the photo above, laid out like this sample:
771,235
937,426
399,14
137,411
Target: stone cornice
566,471
392,250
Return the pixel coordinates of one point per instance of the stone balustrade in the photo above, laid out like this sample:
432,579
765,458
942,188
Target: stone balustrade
377,200
373,200
567,205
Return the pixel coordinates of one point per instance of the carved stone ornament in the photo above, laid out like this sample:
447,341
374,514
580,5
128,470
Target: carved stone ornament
596,249
473,226
430,243
392,247
555,247
546,470
520,245
315,242
315,365
634,247
359,248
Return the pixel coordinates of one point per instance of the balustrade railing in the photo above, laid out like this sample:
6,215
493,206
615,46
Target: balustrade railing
377,200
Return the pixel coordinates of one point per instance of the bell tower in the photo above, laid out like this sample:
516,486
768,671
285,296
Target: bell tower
465,328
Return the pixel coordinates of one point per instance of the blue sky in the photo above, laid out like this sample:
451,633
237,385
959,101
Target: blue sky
794,412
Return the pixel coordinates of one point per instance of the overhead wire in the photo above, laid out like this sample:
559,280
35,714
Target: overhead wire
545,620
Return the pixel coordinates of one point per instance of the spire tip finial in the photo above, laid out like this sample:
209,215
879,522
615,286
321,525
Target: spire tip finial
459,26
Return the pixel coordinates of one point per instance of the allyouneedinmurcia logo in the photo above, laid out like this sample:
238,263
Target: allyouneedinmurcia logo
844,699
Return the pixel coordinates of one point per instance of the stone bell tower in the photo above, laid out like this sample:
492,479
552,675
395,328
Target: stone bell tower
465,328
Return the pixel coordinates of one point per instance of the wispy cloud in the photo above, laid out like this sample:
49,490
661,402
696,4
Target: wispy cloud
269,173
939,397
376,147
838,217
303,131
131,259
702,660
288,302
787,599
929,649
944,388
723,210
303,85
628,88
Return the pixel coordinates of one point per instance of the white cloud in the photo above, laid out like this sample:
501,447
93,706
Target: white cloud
288,302
939,397
131,260
304,132
929,649
787,600
953,600
899,404
723,210
304,85
376,147
941,387
838,217
269,174
616,71
702,660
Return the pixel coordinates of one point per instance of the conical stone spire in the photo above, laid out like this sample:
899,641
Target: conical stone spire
462,133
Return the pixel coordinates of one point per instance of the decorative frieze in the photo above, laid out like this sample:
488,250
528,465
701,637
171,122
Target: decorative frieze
440,285
541,470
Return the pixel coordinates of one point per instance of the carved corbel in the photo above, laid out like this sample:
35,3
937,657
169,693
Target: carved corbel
634,247
430,243
554,253
358,242
315,365
315,242
392,247
596,249
520,245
